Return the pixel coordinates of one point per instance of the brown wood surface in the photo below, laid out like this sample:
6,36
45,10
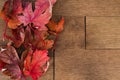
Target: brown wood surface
103,32
72,60
87,7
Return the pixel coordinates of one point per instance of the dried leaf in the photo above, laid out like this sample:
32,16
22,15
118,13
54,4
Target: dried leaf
13,70
9,56
5,10
37,40
13,22
55,27
11,60
28,22
24,54
10,15
17,7
28,38
46,44
39,17
2,64
19,36
35,64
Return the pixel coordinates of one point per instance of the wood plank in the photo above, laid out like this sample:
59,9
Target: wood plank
78,64
73,62
103,32
66,59
87,8
73,26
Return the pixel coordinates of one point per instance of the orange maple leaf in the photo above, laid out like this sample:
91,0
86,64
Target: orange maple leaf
10,16
55,27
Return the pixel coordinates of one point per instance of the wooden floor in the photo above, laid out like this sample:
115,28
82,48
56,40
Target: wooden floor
89,47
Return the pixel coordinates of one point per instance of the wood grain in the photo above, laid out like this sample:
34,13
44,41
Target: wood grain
69,49
73,34
73,62
103,32
77,64
87,8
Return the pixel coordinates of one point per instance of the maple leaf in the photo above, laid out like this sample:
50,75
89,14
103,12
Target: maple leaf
55,28
5,10
2,64
18,36
13,71
35,64
10,15
38,40
24,55
28,38
46,44
17,7
13,22
40,16
11,68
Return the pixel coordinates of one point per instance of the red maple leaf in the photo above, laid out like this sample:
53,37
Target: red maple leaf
35,64
40,16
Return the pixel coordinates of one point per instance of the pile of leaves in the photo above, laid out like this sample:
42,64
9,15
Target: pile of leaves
32,35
